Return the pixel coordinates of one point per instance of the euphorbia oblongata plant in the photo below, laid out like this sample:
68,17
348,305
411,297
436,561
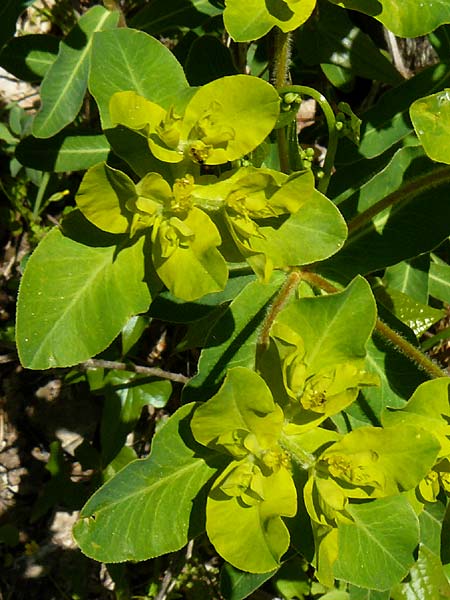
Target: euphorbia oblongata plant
315,430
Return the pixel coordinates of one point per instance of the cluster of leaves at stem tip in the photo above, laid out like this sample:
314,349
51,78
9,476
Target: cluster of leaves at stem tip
280,439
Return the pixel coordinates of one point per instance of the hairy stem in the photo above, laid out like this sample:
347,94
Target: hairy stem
395,339
280,73
282,298
422,361
331,125
281,58
406,192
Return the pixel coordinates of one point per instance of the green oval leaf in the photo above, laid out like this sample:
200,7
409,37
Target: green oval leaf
376,548
161,80
63,315
146,509
233,115
252,20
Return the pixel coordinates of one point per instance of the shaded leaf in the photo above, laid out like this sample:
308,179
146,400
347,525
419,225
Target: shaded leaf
388,121
237,585
330,37
233,339
416,221
29,57
166,15
66,151
10,11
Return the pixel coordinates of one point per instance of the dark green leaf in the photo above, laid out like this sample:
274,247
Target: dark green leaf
388,121
232,341
219,64
237,585
29,57
167,15
329,36
10,11
64,152
416,222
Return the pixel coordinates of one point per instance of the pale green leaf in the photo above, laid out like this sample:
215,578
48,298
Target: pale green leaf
375,462
252,20
257,538
102,198
334,328
243,404
75,297
428,408
232,114
431,119
191,266
146,509
65,83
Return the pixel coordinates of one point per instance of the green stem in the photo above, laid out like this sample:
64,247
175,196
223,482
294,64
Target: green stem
407,192
283,150
401,345
40,195
281,58
331,124
303,458
280,71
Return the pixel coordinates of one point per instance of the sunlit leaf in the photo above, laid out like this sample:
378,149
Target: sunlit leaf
146,507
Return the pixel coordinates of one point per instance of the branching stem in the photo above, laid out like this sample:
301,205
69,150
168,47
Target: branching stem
331,124
95,363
